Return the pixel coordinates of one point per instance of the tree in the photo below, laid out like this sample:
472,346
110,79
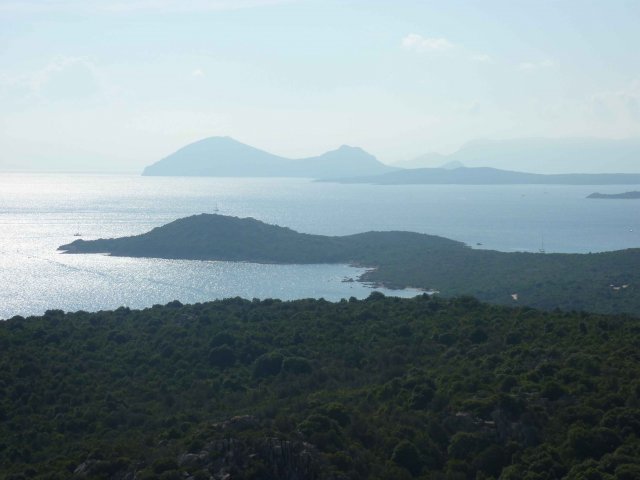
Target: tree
406,455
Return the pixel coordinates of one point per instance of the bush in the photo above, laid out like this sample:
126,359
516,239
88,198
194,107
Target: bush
296,365
628,472
164,465
222,357
553,391
407,456
463,444
337,412
267,365
594,442
421,397
478,336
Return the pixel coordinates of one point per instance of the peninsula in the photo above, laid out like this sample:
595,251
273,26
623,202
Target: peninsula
603,282
616,196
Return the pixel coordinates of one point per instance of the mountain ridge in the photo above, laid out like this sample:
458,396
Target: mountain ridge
540,154
227,157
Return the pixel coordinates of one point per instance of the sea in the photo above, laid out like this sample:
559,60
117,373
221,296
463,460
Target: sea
40,212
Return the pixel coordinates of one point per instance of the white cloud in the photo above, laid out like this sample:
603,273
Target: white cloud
529,66
482,58
122,6
40,78
472,107
418,43
62,78
621,105
197,73
177,123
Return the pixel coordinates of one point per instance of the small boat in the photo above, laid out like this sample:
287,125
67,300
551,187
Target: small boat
542,250
77,234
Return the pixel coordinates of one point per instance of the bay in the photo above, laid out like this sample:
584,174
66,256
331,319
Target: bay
39,212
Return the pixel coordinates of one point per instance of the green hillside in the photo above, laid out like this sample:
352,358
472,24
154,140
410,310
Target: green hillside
381,388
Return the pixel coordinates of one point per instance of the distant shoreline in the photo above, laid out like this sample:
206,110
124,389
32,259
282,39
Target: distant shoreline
486,176
399,260
635,195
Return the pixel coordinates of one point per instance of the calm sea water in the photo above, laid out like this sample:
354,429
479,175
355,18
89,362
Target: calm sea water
40,212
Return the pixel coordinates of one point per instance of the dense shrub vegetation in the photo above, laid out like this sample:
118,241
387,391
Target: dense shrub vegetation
380,388
603,282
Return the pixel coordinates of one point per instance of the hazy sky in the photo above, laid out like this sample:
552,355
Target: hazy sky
115,85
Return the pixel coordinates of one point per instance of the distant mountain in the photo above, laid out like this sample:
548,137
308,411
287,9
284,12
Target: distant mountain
543,155
452,165
217,156
428,160
344,159
489,176
226,157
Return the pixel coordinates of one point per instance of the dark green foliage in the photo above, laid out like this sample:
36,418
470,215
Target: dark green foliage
478,336
627,472
296,365
592,442
222,356
337,412
380,388
421,397
464,444
406,455
267,364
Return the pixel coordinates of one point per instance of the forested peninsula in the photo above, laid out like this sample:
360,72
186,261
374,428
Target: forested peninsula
601,282
381,388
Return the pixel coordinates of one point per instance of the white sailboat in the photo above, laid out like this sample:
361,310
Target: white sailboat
542,250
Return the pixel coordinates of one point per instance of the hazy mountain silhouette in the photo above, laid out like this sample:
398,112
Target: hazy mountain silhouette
226,157
344,159
452,165
543,155
428,160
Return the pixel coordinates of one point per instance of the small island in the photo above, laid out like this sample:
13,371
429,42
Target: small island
399,260
635,195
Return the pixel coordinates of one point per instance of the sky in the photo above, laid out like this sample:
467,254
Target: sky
91,85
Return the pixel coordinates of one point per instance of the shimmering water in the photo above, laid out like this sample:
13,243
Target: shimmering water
40,212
